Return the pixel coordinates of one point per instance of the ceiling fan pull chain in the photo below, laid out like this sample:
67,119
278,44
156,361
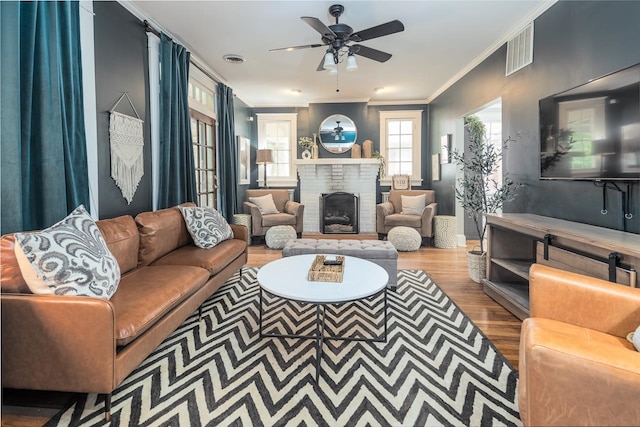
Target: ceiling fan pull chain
337,81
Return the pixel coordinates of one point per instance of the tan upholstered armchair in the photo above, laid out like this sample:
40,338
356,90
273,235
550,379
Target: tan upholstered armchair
576,365
289,212
390,214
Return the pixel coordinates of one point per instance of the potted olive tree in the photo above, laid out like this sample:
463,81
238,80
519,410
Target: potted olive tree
477,190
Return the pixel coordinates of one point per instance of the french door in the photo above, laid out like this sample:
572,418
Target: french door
204,156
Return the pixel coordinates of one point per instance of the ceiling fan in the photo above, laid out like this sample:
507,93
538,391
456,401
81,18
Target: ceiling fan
341,40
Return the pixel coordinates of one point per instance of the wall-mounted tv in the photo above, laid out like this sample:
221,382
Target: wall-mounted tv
592,132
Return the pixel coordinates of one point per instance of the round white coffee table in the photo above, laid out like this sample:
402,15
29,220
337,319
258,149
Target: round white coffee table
287,278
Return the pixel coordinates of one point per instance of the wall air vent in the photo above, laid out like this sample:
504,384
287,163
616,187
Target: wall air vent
520,50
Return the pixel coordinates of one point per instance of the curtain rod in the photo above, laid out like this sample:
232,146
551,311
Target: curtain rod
150,29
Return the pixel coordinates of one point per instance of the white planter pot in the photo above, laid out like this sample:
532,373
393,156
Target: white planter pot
477,264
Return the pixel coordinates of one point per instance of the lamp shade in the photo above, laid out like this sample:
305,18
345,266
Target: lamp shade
329,61
263,156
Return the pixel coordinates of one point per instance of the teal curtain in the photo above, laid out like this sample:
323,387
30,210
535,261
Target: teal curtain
228,152
44,155
177,169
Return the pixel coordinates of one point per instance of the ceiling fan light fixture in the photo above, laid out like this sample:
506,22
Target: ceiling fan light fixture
352,65
329,61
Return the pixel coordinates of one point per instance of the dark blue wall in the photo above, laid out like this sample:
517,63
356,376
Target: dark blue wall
121,66
573,43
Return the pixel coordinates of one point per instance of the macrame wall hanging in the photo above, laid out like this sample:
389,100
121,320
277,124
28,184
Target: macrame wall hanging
126,139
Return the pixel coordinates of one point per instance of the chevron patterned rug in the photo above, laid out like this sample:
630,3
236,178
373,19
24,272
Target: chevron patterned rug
436,368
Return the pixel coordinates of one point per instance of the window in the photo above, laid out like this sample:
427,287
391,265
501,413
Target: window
203,128
401,144
202,134
278,133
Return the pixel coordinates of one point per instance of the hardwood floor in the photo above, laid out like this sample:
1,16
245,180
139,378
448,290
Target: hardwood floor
448,267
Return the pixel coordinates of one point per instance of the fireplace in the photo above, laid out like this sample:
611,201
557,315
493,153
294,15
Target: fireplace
339,213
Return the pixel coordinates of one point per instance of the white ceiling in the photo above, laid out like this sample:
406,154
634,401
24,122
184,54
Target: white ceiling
442,40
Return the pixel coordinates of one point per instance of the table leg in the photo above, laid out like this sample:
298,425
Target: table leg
260,315
385,314
319,338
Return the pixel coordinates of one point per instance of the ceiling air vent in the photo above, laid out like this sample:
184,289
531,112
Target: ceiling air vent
520,50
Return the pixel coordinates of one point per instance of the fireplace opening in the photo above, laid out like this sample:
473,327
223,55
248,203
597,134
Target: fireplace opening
339,213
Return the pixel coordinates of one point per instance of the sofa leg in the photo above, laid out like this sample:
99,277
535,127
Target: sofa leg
107,407
299,235
381,236
199,313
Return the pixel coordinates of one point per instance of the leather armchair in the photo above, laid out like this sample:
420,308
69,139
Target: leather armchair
576,365
290,212
389,214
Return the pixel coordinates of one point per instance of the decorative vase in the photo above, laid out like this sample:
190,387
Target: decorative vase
306,154
367,149
314,147
356,152
477,264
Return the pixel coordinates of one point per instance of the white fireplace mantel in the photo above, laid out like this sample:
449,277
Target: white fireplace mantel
318,176
336,161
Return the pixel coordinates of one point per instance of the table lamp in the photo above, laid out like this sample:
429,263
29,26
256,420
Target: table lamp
263,157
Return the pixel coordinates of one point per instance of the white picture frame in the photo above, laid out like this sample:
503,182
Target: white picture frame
435,167
445,153
244,160
401,182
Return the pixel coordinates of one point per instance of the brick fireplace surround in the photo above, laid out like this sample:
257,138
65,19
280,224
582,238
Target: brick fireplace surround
356,176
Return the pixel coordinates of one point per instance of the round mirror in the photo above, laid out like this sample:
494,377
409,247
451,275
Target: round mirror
338,133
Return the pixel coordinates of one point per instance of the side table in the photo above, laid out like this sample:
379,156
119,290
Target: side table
445,231
244,219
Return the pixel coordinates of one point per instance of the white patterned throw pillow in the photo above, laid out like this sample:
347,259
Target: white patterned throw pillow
69,258
206,226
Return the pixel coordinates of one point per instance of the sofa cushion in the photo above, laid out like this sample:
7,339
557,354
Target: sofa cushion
69,258
206,226
148,293
396,220
265,204
161,232
213,260
278,219
121,235
11,280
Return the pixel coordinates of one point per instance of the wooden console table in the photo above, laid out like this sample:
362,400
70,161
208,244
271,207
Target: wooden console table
516,241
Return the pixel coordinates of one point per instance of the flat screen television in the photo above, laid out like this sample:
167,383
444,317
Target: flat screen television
592,132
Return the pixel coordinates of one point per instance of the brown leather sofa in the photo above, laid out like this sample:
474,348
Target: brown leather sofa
291,213
576,365
389,214
89,345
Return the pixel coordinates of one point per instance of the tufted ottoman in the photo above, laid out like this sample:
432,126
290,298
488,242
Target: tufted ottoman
380,252
405,239
279,235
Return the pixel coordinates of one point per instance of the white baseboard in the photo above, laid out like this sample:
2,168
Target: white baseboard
462,240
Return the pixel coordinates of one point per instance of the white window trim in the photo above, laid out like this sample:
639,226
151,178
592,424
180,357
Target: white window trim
89,100
416,116
292,179
205,83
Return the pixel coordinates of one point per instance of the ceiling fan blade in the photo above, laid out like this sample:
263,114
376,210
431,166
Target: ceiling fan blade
304,46
367,52
317,25
378,31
